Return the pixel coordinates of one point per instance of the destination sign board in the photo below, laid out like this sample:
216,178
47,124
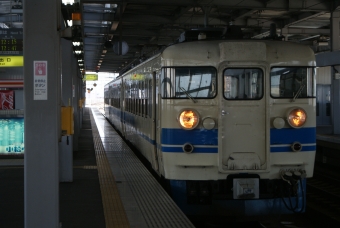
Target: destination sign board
11,41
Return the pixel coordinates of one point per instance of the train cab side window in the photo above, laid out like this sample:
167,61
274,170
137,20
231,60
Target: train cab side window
243,84
292,82
188,82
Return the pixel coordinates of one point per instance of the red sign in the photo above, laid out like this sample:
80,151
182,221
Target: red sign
40,68
6,99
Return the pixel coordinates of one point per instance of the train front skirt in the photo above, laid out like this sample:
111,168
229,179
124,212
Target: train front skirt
219,206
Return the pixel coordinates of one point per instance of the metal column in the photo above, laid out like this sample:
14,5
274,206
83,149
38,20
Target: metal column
42,112
66,145
76,87
335,31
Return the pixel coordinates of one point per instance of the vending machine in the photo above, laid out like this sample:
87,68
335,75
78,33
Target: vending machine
11,121
12,136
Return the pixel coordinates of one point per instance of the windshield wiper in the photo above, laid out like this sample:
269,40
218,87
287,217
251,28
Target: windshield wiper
298,92
188,95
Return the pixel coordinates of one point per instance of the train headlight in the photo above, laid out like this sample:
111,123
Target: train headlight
297,117
188,119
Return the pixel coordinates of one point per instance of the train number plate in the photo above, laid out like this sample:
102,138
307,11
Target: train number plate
245,188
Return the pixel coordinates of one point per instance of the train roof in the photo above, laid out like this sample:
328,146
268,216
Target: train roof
215,51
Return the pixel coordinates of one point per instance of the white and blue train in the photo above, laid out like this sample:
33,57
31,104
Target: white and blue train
229,124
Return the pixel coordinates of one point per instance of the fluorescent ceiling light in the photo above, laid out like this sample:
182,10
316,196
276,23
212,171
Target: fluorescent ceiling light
67,2
69,23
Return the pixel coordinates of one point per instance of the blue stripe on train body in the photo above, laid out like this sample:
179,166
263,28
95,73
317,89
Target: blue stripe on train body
204,141
281,139
196,136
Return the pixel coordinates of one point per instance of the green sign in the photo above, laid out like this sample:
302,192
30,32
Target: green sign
91,77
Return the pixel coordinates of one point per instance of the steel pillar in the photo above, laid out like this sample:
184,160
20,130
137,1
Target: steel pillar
42,112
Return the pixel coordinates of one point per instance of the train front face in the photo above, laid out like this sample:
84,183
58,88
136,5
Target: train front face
238,126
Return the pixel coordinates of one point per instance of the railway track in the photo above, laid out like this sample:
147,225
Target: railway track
323,195
323,204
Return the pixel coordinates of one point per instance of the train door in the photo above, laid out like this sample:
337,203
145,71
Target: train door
153,114
124,105
242,131
158,116
121,103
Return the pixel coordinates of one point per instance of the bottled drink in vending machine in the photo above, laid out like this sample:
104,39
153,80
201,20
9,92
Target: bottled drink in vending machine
2,149
5,141
11,135
17,137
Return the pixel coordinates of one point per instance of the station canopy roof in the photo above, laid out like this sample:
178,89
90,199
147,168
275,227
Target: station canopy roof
112,36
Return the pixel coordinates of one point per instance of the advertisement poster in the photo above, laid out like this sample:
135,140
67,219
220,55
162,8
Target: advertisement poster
6,99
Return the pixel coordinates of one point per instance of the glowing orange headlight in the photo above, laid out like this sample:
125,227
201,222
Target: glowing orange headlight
188,119
297,117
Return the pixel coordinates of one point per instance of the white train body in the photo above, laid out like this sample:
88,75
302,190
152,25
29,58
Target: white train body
242,135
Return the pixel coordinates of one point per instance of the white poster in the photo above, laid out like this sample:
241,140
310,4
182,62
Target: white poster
40,80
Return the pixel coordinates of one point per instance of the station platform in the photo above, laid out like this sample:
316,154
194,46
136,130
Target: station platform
110,188
332,138
324,134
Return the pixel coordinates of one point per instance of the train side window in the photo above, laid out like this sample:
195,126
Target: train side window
243,84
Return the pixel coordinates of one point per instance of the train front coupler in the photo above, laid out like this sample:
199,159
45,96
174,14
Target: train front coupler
292,179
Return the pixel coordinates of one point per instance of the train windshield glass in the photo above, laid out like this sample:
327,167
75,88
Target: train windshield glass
292,82
243,84
188,82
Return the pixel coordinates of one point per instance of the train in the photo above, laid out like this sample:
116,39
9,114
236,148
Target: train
228,124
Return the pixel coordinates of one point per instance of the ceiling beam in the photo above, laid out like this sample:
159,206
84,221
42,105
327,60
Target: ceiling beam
304,31
309,5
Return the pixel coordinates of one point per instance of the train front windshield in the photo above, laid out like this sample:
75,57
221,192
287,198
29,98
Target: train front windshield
292,82
188,82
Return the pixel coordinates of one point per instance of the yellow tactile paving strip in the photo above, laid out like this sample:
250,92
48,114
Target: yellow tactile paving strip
114,212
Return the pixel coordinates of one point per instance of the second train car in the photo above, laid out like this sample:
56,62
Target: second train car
230,125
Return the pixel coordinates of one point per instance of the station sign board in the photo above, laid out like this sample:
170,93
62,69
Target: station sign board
11,61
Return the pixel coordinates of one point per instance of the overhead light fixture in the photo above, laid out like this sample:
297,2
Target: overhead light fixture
67,2
104,51
76,43
110,5
69,23
100,60
78,52
106,22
